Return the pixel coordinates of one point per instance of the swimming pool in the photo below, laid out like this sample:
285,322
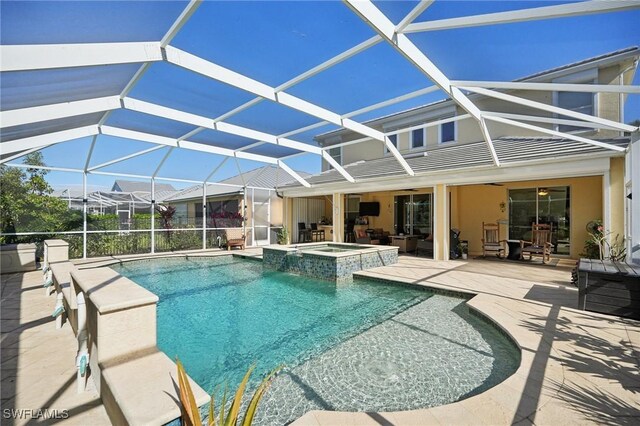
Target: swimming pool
356,346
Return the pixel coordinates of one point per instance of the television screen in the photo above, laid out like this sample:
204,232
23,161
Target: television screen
370,209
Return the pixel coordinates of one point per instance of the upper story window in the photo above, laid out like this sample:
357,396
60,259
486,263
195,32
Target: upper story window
336,153
418,138
582,102
447,132
575,101
394,141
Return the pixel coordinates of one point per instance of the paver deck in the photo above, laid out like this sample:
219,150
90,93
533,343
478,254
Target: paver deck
577,367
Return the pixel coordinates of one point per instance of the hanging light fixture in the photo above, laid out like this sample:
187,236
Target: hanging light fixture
543,191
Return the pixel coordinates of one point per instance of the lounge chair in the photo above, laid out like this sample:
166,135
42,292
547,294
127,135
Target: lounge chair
235,238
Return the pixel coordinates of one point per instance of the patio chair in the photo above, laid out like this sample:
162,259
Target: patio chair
235,238
304,234
540,244
363,237
491,242
316,234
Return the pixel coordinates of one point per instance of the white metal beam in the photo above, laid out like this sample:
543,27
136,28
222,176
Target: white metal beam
532,14
295,175
551,108
194,146
18,155
411,16
124,158
55,169
380,23
337,166
173,114
217,72
369,108
48,56
87,161
554,133
161,163
551,87
188,11
17,117
41,141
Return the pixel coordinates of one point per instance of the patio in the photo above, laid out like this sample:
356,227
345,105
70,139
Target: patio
577,367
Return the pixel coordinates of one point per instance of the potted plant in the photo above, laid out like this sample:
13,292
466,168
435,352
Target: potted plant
464,250
283,236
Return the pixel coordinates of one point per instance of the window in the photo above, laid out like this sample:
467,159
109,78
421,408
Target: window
417,138
547,205
448,132
336,154
585,103
394,141
575,101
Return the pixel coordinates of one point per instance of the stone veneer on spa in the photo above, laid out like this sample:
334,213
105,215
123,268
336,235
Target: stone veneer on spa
333,266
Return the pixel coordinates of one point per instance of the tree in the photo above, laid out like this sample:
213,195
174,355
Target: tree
26,204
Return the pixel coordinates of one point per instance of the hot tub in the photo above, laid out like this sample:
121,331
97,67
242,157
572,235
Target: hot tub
328,261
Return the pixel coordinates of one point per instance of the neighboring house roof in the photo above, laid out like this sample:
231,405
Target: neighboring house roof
269,176
195,192
134,186
617,55
509,150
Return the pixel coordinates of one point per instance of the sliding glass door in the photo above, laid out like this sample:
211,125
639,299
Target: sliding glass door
413,214
548,205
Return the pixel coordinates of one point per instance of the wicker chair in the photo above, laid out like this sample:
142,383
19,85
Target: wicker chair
235,238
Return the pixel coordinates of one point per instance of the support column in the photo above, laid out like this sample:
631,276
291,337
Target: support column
204,215
253,216
269,220
153,217
338,218
633,252
441,223
244,215
606,202
84,215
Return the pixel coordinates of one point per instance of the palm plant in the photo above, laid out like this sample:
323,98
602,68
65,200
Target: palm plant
191,414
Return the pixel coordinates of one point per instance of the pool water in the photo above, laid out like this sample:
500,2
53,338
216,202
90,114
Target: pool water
365,345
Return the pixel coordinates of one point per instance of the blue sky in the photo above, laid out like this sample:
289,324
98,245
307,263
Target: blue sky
273,42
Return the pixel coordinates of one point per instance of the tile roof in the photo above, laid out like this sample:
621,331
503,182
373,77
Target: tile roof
135,186
509,150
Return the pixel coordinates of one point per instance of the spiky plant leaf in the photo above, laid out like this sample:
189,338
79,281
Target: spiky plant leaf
232,415
212,410
224,402
191,414
257,396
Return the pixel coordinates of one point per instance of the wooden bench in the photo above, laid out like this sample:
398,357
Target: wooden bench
609,287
